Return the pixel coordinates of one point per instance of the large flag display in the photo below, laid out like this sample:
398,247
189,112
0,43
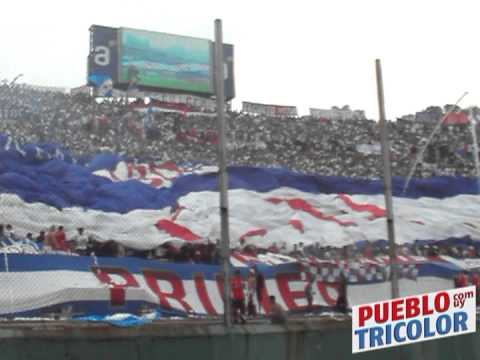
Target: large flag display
144,205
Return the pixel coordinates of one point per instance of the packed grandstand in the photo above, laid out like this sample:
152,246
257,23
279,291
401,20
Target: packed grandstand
187,134
79,176
158,142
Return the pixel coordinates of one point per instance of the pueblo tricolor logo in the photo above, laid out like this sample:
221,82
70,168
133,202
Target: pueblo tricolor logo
413,319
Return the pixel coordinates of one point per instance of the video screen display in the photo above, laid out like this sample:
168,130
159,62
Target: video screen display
165,61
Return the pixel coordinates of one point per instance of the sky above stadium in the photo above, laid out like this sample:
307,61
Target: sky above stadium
304,53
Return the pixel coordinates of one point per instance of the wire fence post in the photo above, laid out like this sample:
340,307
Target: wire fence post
10,301
223,174
387,181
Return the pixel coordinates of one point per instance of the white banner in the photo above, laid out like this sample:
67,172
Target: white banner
269,110
27,291
337,114
198,102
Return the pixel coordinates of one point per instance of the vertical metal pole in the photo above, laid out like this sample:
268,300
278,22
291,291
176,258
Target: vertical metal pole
222,168
473,125
387,180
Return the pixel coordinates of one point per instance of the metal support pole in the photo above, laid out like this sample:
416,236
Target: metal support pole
387,181
222,169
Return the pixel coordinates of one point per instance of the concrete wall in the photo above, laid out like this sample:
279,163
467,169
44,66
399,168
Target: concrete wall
192,340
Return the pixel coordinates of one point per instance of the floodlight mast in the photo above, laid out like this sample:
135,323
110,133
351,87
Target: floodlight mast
222,169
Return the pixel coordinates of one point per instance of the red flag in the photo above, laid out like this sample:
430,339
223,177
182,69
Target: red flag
297,224
458,118
373,209
177,230
256,232
303,205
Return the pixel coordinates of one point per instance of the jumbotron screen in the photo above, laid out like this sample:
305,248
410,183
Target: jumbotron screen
165,61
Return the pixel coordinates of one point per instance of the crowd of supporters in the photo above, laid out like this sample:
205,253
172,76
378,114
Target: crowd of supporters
305,144
55,240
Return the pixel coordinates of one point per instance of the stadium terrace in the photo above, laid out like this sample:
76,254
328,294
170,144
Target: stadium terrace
115,196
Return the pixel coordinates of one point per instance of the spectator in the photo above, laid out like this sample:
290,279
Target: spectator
50,239
296,253
273,248
10,234
309,292
4,240
29,241
301,249
238,297
461,280
368,251
260,284
252,288
80,242
40,239
476,282
250,250
277,314
341,304
61,240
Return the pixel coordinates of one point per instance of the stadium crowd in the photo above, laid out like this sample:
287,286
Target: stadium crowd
305,144
55,240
